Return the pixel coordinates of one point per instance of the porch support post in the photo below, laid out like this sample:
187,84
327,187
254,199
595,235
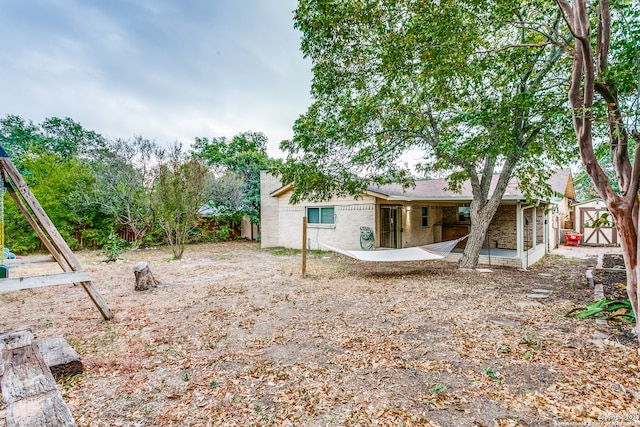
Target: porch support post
545,229
534,221
519,230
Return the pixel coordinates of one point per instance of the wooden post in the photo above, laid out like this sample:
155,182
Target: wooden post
28,387
304,247
36,227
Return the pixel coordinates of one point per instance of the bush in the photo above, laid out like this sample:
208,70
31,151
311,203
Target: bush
113,247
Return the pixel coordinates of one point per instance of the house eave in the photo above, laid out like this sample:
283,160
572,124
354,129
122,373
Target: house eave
280,191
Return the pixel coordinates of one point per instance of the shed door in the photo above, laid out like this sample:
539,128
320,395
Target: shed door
390,226
596,236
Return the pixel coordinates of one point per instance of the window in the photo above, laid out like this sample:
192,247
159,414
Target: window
320,215
425,216
464,214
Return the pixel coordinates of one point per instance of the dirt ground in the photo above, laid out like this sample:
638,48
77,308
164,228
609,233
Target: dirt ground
234,336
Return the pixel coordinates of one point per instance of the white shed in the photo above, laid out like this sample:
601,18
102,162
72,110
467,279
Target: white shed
595,223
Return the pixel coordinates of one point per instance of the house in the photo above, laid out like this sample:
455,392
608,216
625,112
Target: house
519,234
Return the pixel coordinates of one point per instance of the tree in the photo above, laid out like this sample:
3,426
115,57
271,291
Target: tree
65,137
124,176
17,135
604,87
244,156
179,191
389,77
59,185
68,138
227,196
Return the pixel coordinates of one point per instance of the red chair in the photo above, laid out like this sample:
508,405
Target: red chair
573,239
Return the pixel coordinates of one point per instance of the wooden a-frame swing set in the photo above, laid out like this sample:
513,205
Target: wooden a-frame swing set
29,206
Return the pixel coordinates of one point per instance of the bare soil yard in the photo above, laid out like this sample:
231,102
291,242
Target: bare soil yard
234,336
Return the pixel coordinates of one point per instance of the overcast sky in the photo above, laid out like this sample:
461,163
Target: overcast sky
168,70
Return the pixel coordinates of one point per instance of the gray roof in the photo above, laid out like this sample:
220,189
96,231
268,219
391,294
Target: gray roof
436,189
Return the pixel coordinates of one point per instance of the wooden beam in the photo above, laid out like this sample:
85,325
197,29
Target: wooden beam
60,357
30,282
39,213
30,260
58,246
36,227
28,388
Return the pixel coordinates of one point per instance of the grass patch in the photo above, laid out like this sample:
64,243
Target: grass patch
281,251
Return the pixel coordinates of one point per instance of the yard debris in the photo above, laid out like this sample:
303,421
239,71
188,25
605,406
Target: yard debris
233,338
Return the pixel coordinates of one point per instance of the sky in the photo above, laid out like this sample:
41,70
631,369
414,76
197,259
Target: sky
167,70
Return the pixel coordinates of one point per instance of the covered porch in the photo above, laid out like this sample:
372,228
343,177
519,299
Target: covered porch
504,257
518,236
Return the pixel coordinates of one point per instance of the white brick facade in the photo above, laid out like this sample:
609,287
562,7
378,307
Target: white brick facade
269,225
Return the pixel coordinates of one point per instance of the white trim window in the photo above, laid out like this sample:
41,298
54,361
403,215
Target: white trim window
321,215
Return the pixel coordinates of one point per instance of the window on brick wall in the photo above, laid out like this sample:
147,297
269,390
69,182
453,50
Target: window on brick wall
464,214
425,216
320,215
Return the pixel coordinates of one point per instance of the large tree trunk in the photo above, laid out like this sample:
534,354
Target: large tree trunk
627,230
589,66
480,220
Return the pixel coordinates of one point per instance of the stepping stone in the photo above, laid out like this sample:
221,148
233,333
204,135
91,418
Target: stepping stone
506,322
598,335
538,296
512,313
542,291
484,270
544,284
545,274
525,304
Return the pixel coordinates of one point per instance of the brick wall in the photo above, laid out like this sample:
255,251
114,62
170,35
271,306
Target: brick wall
414,233
502,230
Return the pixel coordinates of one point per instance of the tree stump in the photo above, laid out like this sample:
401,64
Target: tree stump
144,277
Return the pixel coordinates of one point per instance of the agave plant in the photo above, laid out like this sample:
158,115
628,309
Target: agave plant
605,309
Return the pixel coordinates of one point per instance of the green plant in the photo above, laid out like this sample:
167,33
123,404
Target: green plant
223,233
605,309
489,372
601,221
408,366
530,338
281,251
113,247
438,388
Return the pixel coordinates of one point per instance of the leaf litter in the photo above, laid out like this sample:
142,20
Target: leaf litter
234,336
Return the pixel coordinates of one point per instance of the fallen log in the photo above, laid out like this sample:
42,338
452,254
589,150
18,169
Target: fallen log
29,390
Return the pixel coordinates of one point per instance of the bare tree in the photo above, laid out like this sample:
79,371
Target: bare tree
123,183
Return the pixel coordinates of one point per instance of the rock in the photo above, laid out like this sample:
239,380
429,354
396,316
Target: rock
525,304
